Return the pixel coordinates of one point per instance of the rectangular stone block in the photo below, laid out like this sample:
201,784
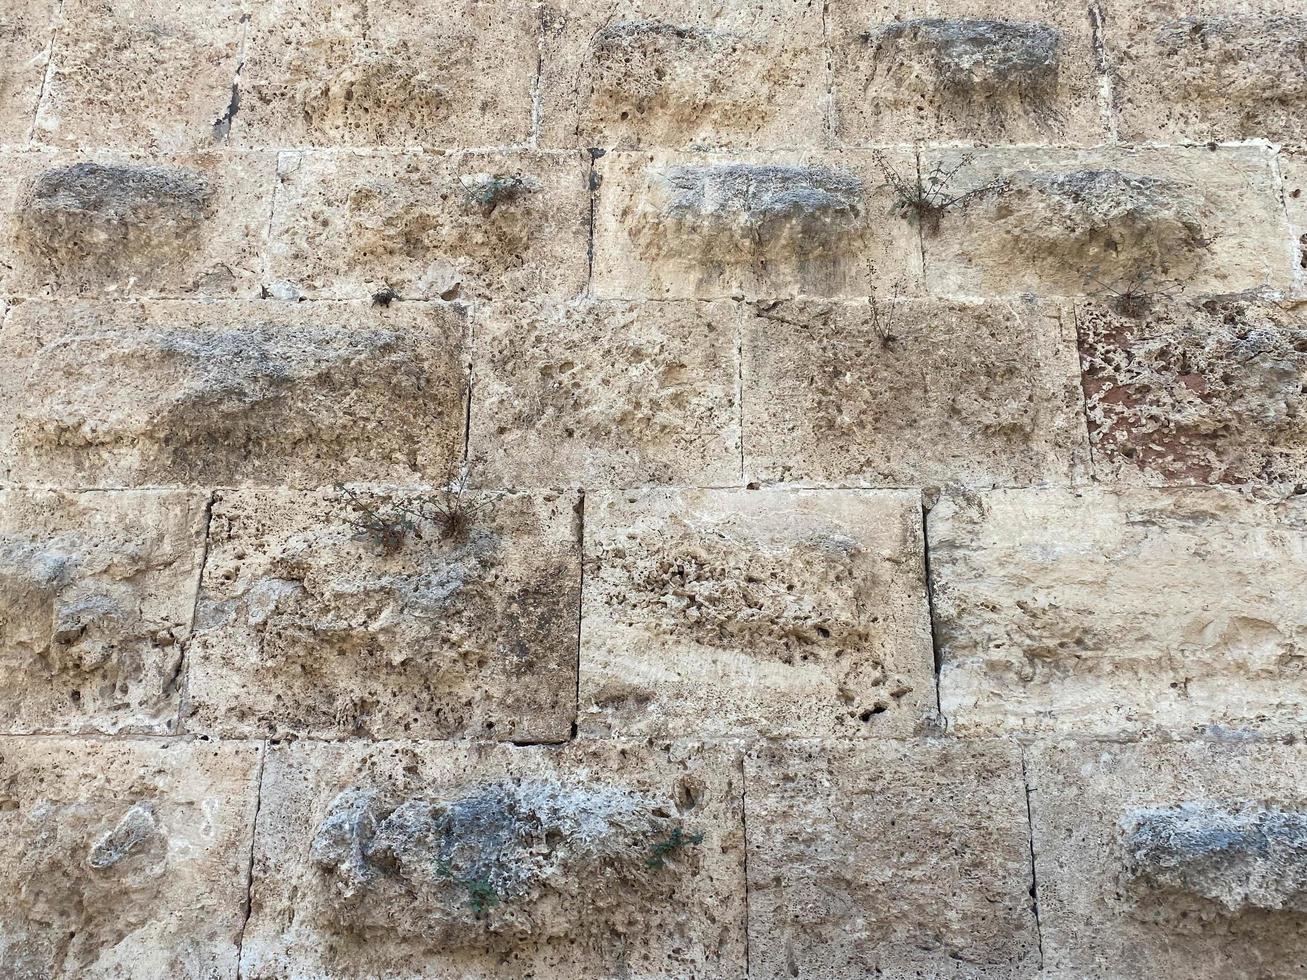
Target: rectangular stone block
117,394
987,71
97,591
124,858
445,860
712,226
1101,612
911,392
430,226
748,612
26,27
682,73
1171,859
388,614
889,859
603,395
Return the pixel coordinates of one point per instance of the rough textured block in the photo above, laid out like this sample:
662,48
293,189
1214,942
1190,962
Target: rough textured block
773,613
889,859
25,30
706,226
1293,166
683,73
97,591
603,395
1171,860
260,392
1211,393
388,72
385,618
907,70
1105,613
431,226
897,393
452,861
124,859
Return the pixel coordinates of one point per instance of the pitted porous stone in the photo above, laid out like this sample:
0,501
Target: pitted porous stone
1171,859
25,27
708,226
681,73
115,394
309,624
1293,166
602,395
1201,393
96,594
432,226
124,859
911,392
772,613
860,849
1102,612
439,860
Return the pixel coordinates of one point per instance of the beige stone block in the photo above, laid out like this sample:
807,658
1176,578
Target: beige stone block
912,392
120,394
604,395
709,226
431,226
1293,167
770,613
319,618
681,73
454,861
889,859
97,591
1107,613
124,859
26,27
1171,860
988,70
388,73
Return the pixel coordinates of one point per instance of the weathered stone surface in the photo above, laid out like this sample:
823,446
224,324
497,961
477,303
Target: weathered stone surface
603,395
452,861
773,613
96,594
907,70
1171,860
683,73
25,30
115,394
893,859
902,393
1208,393
431,226
1105,613
1293,166
1084,222
143,75
311,623
709,226
120,225
124,859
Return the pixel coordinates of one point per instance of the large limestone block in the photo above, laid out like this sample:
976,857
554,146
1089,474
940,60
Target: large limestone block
388,73
604,395
1210,393
889,859
987,70
1171,860
682,73
454,861
115,394
753,612
897,393
708,226
96,596
1104,613
115,225
401,614
352,225
124,859
25,30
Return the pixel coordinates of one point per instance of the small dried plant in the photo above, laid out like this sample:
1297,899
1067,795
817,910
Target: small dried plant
924,199
1136,295
388,522
882,315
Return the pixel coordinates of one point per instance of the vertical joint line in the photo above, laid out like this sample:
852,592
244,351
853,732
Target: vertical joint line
830,74
930,603
1034,880
248,905
744,828
184,668
580,610
739,387
1103,66
592,186
921,234
55,28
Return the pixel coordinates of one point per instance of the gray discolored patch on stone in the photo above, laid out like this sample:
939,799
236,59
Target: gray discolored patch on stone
120,193
763,194
627,33
136,830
